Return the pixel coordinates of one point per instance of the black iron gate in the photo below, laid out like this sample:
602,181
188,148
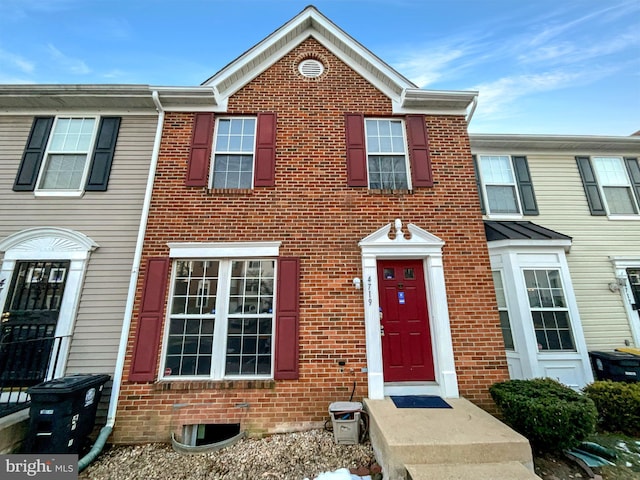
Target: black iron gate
29,319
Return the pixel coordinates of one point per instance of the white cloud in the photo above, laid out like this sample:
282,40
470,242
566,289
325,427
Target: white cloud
425,67
73,65
16,61
497,97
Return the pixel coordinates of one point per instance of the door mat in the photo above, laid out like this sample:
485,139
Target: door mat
420,401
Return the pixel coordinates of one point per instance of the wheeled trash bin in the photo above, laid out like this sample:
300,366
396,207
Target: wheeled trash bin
345,417
63,413
616,366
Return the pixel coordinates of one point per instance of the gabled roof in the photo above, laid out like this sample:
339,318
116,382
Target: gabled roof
405,95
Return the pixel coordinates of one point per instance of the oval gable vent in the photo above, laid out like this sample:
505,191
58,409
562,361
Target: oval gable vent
311,68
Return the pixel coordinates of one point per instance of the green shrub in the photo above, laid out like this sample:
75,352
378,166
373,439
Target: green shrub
618,405
552,416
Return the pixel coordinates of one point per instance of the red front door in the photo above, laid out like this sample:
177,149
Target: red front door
406,336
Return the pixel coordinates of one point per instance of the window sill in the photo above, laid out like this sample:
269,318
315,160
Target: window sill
513,217
230,191
60,194
179,384
623,217
390,192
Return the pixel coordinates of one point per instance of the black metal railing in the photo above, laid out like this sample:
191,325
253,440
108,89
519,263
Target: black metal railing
24,363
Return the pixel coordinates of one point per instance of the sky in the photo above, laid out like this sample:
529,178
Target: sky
566,67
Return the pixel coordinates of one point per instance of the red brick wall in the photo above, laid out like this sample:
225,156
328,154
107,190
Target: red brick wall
319,219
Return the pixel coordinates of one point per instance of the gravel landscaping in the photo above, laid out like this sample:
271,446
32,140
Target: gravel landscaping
293,456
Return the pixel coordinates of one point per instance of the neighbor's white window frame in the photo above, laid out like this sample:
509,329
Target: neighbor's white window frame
58,192
602,184
513,184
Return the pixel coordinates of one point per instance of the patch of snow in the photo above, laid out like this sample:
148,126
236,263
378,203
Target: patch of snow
340,474
623,446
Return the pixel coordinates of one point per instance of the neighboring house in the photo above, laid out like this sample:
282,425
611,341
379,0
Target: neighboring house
562,216
314,235
74,163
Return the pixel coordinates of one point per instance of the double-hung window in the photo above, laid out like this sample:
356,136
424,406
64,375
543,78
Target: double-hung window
499,184
387,154
615,185
611,184
505,323
549,310
234,147
67,155
505,186
222,319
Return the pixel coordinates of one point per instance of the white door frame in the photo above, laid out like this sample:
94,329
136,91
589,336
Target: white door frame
420,245
620,264
46,244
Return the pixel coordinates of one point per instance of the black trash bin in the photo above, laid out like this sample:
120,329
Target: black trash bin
616,366
63,413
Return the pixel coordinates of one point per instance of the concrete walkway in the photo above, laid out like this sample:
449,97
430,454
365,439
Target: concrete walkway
463,442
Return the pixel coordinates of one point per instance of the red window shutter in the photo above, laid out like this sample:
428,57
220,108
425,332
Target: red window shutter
265,165
356,150
200,151
287,319
147,340
419,151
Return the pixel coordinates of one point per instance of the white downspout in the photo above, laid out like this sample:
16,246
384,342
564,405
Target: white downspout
126,324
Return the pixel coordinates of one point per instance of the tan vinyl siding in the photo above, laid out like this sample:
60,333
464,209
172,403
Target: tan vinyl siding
563,207
110,218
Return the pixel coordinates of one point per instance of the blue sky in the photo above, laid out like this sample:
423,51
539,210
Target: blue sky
541,66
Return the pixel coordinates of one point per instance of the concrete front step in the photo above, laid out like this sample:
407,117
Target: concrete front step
463,434
475,471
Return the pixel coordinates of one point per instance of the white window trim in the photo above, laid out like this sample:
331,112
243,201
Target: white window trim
42,192
483,185
500,273
223,252
214,151
223,249
406,150
220,332
636,201
515,256
551,309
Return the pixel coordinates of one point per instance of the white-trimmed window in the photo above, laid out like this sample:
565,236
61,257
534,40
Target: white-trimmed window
614,183
221,319
387,154
505,322
66,159
234,147
549,310
499,184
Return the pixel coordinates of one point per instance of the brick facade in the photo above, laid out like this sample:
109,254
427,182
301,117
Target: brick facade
319,219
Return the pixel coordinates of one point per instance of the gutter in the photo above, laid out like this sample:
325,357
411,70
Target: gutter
126,324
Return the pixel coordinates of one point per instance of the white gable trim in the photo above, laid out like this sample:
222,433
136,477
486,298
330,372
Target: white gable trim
405,96
310,22
419,245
